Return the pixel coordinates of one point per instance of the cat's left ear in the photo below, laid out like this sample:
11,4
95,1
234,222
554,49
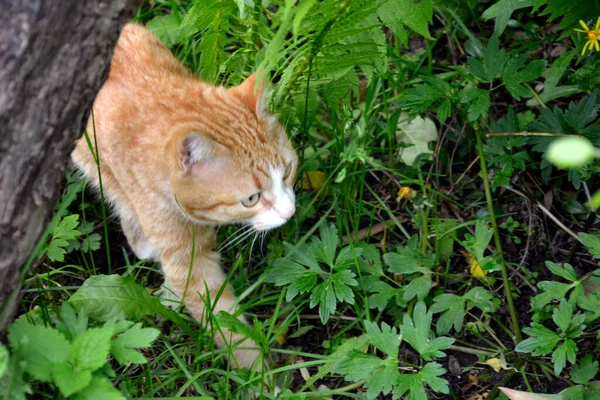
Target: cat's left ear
251,92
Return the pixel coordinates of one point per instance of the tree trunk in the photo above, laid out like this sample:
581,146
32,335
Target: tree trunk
54,57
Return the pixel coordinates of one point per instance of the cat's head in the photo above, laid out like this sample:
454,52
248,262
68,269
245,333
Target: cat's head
238,165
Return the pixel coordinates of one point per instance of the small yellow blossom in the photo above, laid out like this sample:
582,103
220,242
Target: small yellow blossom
593,35
406,193
475,268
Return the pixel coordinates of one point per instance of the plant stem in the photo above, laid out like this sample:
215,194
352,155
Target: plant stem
498,243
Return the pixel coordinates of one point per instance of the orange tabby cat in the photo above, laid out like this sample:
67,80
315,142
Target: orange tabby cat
178,157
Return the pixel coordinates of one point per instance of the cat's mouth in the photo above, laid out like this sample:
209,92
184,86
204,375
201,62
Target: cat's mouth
260,226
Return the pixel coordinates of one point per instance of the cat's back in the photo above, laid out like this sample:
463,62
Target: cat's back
139,57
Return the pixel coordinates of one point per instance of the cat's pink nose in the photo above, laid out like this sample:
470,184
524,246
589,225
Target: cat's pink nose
288,211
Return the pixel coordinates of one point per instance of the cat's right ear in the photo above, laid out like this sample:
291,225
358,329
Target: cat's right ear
193,148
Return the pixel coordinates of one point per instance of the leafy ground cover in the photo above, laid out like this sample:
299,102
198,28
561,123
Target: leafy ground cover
437,251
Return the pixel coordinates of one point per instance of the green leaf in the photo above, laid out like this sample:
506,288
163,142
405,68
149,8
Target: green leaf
39,347
492,64
341,283
91,348
562,315
418,287
479,100
358,344
66,229
514,77
591,242
385,339
567,350
71,324
357,365
476,245
409,260
370,260
135,337
166,28
3,360
99,389
483,299
585,371
415,15
417,333
420,98
68,380
326,246
453,312
12,384
301,10
382,293
551,89
105,297
431,373
502,10
541,342
443,111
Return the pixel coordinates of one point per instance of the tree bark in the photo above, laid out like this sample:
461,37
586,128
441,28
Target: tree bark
54,57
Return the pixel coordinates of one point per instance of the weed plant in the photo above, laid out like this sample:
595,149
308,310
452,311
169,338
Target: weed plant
436,251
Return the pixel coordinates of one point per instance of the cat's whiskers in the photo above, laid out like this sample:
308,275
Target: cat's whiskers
256,234
236,239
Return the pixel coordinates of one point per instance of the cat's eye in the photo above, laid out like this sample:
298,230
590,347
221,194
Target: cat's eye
288,171
251,201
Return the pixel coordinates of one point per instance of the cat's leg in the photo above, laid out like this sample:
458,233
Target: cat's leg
140,245
203,286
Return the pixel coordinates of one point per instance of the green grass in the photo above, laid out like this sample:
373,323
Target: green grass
343,73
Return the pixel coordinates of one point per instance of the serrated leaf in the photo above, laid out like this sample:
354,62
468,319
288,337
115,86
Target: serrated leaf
416,332
418,287
492,64
301,10
325,246
585,371
431,373
91,348
562,315
135,337
551,291
415,15
341,283
357,365
479,102
12,384
71,324
567,350
385,339
105,297
99,388
541,342
443,111
39,347
453,312
502,10
591,242
514,77
68,380
166,28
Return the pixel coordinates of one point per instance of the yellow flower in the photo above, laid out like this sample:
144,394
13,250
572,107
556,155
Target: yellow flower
593,35
406,193
475,268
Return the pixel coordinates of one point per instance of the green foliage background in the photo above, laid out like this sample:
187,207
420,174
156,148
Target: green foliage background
395,279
